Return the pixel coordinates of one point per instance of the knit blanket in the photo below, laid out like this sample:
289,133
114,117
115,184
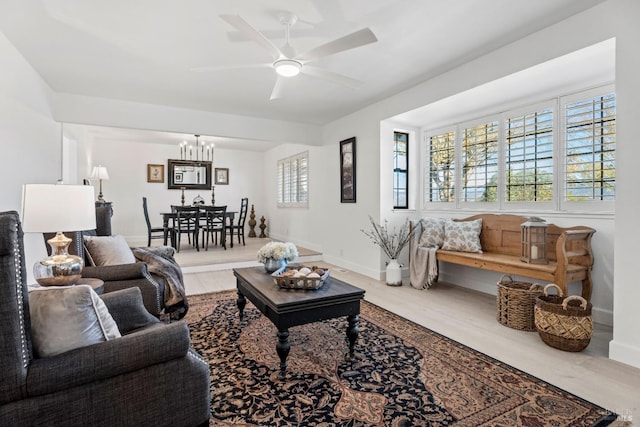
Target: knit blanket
160,261
423,265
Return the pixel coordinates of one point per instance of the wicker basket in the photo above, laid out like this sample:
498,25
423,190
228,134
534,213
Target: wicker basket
564,323
290,282
515,302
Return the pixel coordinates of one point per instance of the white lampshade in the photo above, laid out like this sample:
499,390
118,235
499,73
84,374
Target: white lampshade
56,207
99,172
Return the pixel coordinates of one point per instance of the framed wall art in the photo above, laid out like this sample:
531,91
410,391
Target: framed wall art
155,173
222,176
348,170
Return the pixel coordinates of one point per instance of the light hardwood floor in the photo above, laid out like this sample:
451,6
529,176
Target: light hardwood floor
466,316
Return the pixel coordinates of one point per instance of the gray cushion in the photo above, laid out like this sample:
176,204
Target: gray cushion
68,317
109,250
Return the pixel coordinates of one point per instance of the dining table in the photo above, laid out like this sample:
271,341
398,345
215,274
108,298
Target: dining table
167,216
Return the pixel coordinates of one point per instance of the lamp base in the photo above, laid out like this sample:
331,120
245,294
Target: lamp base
59,269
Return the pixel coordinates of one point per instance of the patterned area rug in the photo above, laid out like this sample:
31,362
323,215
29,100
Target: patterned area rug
403,375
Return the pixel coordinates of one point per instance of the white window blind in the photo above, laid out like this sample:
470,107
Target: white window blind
441,166
293,181
480,163
556,154
590,149
529,157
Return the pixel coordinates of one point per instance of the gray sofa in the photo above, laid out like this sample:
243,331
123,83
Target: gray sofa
149,376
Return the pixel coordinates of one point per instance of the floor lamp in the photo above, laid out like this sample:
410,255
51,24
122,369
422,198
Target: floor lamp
100,173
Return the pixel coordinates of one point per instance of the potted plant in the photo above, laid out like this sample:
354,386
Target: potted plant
275,255
392,242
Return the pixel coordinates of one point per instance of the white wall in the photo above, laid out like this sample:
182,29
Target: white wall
30,138
625,346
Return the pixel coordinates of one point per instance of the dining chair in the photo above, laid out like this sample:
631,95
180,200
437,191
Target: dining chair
151,231
215,223
239,226
186,221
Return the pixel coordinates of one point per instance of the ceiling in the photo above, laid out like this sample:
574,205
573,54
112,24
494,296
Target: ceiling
144,50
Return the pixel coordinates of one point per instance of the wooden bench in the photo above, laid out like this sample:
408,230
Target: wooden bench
567,249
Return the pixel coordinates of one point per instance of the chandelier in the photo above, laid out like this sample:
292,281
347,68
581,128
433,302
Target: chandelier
199,148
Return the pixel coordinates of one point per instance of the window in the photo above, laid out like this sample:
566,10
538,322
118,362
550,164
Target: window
590,149
529,157
480,163
441,181
293,180
400,170
538,157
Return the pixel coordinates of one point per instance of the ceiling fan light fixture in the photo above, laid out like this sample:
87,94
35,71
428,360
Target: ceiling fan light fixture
287,67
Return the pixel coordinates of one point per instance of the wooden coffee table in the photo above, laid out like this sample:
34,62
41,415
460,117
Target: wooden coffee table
293,307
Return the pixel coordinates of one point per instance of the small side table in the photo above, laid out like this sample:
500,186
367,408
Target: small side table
96,284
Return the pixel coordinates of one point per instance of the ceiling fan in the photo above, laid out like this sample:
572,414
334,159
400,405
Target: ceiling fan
287,63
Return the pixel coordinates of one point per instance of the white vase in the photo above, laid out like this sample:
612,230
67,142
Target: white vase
394,273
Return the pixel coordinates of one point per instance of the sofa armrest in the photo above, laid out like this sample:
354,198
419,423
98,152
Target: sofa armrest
127,309
152,345
109,273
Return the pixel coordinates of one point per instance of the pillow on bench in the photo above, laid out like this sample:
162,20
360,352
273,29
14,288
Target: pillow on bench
462,236
432,233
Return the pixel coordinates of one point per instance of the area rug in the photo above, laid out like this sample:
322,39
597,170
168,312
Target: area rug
403,375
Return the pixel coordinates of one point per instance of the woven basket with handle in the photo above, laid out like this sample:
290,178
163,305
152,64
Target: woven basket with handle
515,301
563,323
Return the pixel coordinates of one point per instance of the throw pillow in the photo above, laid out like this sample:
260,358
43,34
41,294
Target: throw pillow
432,233
68,317
463,236
109,250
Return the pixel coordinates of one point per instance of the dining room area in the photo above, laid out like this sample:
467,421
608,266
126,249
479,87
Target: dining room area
164,172
200,225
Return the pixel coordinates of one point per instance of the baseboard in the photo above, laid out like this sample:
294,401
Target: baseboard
627,354
356,268
599,315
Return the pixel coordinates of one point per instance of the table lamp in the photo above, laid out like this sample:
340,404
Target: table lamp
57,207
100,172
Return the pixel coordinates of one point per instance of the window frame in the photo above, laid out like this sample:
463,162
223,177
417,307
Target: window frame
461,127
280,177
551,104
559,166
426,169
406,171
590,205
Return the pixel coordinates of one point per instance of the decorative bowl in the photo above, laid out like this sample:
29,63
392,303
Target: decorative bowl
282,278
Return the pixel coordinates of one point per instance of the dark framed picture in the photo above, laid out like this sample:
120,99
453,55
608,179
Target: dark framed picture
155,173
222,176
348,170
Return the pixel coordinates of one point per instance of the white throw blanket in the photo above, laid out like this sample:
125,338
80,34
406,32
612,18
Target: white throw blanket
423,266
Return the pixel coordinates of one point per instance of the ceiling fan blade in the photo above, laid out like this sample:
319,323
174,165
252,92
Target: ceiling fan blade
208,68
350,41
276,93
331,76
243,26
